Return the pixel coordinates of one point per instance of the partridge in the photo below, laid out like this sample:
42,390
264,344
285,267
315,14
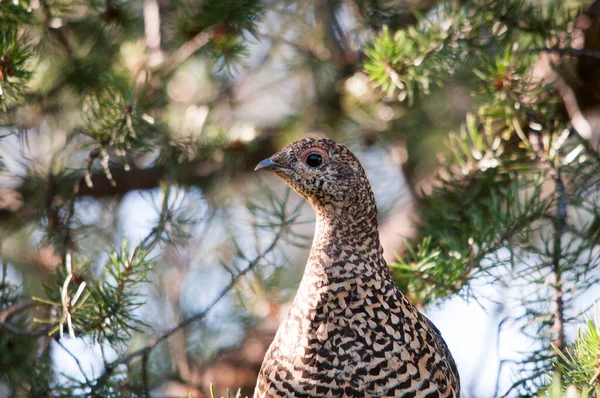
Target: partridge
350,331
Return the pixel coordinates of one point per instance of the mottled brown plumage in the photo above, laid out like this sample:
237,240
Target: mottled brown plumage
350,331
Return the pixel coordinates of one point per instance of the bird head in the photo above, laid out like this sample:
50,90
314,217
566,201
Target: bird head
327,175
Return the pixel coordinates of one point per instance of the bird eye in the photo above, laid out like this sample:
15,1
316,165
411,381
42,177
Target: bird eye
314,160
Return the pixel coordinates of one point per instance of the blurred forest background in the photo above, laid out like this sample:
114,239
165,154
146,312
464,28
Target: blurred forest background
141,257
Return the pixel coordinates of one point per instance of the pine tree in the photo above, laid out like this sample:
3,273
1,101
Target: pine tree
102,98
515,203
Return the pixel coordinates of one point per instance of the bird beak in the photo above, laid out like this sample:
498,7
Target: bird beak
268,163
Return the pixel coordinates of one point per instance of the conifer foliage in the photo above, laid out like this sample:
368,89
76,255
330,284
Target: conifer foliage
99,99
516,202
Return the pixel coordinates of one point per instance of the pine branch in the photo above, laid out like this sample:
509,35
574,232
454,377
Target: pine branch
76,359
17,307
578,52
186,51
15,330
145,382
85,176
13,309
521,382
16,62
581,363
559,226
192,319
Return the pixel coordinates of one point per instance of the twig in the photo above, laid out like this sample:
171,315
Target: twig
523,381
186,50
559,222
51,211
579,122
148,348
145,389
76,360
3,284
578,52
282,40
16,330
154,236
102,352
219,297
502,361
21,305
85,175
559,225
147,243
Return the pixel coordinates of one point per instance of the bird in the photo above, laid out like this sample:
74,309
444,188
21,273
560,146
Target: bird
350,331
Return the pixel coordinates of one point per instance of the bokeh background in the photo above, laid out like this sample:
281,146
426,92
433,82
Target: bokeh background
130,130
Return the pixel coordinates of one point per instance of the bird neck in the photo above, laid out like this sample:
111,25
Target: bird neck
346,229
345,249
345,265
